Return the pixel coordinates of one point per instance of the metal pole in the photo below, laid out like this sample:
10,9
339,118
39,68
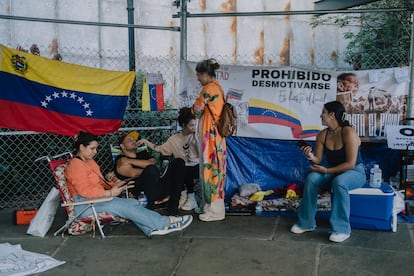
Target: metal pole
100,34
183,33
131,35
410,85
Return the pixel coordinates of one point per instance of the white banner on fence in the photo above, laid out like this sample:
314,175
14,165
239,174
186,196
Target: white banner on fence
286,102
276,103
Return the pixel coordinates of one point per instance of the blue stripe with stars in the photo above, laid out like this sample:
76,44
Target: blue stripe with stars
77,103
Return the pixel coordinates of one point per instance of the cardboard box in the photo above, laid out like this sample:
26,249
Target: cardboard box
372,208
23,217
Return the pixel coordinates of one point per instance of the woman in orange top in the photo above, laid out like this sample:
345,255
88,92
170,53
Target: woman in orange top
213,146
86,181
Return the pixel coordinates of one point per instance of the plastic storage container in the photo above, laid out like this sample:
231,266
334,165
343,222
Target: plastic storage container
372,208
23,217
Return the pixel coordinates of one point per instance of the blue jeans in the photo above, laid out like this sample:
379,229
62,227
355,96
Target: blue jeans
145,219
339,184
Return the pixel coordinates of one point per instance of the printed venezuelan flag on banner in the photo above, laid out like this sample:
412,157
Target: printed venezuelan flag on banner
46,95
153,92
263,112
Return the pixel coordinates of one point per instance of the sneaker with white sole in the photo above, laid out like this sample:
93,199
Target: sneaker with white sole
297,230
174,224
189,205
338,237
210,217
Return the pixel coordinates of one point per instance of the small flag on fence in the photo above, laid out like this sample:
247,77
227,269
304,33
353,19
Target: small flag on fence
234,94
153,92
45,95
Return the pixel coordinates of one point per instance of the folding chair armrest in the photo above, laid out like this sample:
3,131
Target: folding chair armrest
91,201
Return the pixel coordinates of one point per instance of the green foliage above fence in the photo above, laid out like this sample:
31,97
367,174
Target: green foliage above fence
383,38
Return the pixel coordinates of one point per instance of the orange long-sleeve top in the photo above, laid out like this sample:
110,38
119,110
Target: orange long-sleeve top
85,179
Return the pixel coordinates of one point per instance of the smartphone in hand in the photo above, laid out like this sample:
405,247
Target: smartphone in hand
302,143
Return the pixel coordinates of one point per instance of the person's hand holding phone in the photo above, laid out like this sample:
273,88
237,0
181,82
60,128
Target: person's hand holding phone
302,143
306,148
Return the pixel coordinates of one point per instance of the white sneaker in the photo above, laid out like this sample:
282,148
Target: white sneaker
189,205
210,217
174,224
297,230
338,237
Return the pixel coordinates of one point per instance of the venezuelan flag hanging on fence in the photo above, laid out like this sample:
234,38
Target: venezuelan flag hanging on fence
235,94
153,92
45,95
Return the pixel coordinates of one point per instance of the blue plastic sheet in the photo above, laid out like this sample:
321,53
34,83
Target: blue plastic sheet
277,163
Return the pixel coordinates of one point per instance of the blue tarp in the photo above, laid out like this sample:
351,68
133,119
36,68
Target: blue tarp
276,163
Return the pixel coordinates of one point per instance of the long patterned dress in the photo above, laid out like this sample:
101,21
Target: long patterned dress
213,146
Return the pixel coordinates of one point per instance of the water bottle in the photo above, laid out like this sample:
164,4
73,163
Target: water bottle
375,177
142,199
259,209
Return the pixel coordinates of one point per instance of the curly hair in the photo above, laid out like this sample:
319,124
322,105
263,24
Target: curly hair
185,115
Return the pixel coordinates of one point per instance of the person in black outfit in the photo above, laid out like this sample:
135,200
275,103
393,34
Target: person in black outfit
140,165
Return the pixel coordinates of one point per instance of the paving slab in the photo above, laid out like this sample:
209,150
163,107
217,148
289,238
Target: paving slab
238,245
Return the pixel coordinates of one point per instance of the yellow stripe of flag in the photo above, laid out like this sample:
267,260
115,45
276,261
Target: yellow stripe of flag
68,76
145,96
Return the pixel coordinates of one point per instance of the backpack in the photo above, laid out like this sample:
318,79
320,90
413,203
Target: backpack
227,124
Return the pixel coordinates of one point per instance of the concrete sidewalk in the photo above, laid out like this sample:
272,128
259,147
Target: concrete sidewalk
239,245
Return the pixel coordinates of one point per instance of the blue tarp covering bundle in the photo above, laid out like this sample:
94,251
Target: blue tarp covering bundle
277,163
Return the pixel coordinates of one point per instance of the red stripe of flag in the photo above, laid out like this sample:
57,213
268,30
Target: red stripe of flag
159,88
23,117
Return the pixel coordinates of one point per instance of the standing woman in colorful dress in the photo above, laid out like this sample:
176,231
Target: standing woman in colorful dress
212,145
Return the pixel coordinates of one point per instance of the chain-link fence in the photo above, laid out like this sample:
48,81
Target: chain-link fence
24,183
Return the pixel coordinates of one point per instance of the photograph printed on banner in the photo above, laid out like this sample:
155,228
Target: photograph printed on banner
374,99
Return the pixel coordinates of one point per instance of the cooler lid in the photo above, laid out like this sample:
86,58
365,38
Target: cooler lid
370,191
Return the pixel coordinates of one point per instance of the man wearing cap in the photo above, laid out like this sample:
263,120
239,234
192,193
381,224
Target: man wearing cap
143,167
